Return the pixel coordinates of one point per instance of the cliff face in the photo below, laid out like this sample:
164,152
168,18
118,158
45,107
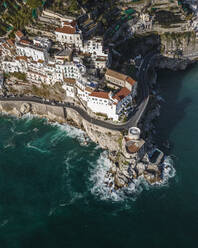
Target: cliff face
175,64
178,44
107,139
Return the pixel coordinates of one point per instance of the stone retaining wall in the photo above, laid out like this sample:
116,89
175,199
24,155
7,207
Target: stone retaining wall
106,138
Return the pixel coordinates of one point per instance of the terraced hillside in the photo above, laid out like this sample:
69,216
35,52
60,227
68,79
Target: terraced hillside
78,7
15,14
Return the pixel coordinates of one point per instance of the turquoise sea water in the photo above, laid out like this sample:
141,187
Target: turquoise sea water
51,191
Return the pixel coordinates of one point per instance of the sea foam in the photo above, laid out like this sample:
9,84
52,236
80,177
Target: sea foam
100,188
30,146
74,133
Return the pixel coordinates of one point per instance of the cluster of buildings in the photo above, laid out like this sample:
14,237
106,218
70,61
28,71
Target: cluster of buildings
34,58
144,23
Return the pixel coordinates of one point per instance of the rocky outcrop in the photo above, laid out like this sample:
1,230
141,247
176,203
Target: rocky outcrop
128,153
178,43
124,173
172,64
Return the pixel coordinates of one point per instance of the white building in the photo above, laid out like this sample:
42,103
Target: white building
69,87
26,48
117,80
123,99
40,71
7,48
69,34
94,47
112,106
10,66
42,42
37,77
100,62
70,70
84,89
102,103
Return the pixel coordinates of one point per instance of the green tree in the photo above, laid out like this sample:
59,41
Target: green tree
73,6
34,3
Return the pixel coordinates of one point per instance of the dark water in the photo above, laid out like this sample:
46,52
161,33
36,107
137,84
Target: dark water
51,193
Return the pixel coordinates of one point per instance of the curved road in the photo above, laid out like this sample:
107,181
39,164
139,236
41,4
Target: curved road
133,121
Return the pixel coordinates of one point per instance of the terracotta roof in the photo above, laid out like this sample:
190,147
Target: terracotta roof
116,74
5,45
100,94
19,34
49,65
101,59
26,42
133,148
21,58
72,24
60,58
10,42
70,80
121,94
130,80
66,30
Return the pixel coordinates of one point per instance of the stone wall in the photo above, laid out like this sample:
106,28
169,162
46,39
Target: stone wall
106,138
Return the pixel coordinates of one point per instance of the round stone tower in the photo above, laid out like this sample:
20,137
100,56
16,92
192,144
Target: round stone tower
134,133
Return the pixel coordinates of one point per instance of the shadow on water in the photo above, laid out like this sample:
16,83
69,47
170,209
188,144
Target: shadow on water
173,109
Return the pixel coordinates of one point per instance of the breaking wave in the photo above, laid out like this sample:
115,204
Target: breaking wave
8,144
168,170
74,133
97,179
100,188
36,148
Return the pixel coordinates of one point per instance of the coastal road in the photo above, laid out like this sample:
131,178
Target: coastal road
66,105
133,120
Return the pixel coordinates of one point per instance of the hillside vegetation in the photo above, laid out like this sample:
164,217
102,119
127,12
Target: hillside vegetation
15,14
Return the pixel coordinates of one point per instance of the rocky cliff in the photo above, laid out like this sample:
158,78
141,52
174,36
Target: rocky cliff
127,152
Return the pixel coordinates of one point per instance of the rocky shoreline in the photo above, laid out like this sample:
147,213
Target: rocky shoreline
124,167
127,171
133,155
